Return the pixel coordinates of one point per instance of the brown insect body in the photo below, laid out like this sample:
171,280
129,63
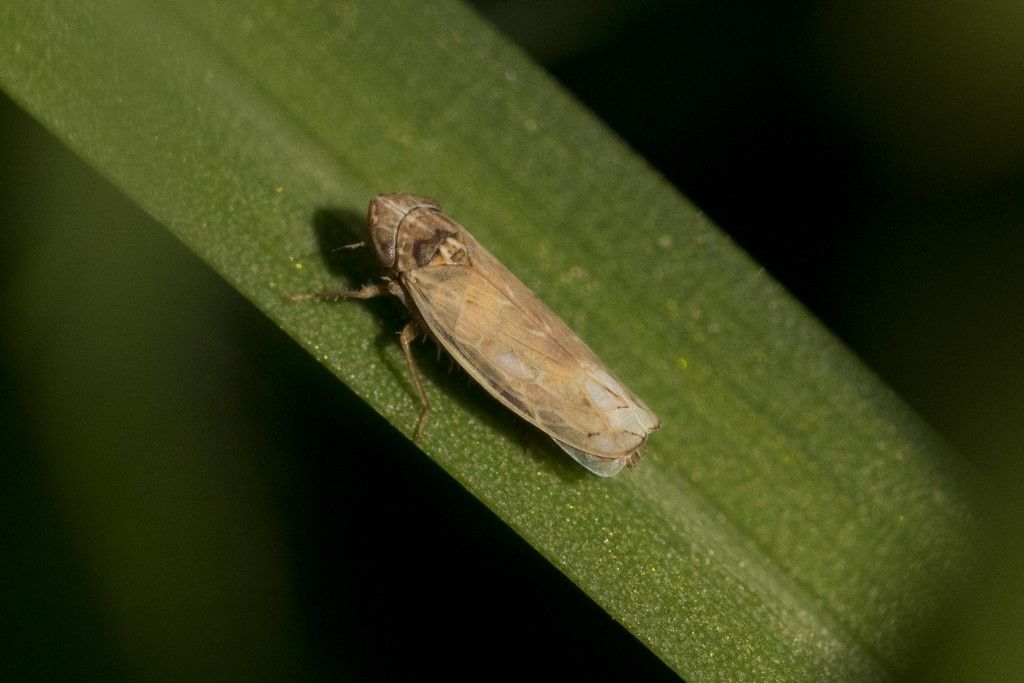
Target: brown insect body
503,336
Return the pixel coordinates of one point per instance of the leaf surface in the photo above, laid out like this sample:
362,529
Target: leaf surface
791,520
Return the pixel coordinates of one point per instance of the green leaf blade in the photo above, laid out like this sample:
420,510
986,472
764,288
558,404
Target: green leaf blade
792,519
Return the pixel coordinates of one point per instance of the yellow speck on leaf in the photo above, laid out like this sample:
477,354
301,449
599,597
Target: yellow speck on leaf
682,362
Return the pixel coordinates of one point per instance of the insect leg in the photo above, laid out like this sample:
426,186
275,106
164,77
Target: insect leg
364,292
410,332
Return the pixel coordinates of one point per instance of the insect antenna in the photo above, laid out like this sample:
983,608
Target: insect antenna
354,245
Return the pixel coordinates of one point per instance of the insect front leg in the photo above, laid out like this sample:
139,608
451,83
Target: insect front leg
409,333
364,292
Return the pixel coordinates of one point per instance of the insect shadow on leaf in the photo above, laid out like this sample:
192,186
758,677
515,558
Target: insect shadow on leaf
337,229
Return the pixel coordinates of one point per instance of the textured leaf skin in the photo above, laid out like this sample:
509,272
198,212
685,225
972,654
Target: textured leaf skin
792,520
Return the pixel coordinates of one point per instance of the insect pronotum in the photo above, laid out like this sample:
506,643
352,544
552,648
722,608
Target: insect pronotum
500,333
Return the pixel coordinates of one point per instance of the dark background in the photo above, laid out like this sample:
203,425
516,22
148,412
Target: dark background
871,158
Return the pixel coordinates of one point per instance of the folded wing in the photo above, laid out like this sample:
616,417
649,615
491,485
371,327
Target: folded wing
527,358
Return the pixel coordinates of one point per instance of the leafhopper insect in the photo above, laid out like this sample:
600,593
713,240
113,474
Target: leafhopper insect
523,354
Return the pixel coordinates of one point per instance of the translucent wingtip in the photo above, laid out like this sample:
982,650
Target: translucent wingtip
602,467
